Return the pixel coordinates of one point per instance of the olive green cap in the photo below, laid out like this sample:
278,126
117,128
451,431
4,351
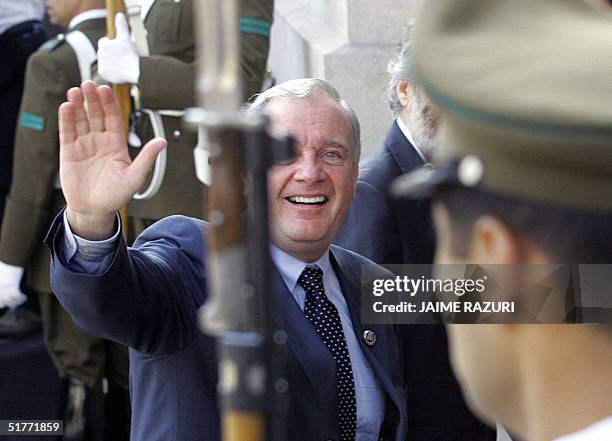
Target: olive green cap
525,94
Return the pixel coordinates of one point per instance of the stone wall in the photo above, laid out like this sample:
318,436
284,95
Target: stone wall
347,42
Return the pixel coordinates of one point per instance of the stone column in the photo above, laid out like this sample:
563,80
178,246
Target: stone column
347,42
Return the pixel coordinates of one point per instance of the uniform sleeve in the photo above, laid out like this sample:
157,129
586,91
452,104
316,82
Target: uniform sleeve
168,83
255,23
35,166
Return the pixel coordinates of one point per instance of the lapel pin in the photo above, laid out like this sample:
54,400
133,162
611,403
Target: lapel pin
369,337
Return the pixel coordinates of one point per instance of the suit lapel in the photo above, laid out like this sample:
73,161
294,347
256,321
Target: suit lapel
402,150
308,348
407,160
314,357
383,359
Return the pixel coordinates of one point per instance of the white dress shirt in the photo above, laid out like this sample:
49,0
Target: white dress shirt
410,139
599,431
369,395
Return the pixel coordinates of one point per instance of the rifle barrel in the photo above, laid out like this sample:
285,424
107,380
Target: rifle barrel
122,91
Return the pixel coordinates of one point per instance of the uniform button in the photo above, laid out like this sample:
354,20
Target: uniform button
176,134
369,337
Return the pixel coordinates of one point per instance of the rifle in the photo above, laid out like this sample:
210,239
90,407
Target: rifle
122,91
240,308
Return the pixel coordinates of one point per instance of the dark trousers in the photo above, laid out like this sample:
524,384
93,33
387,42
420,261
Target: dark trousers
97,373
16,46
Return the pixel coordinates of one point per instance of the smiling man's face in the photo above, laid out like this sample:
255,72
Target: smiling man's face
310,195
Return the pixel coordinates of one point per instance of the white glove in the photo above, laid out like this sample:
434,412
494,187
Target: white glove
118,60
10,294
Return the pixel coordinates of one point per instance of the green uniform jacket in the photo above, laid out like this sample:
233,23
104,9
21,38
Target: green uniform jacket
33,199
167,81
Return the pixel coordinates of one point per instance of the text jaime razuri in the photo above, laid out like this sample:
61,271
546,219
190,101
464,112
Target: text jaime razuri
404,294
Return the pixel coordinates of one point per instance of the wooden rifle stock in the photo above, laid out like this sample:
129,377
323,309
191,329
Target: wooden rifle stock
240,307
122,91
233,313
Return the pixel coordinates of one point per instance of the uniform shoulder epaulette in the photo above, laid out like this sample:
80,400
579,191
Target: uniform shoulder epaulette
54,43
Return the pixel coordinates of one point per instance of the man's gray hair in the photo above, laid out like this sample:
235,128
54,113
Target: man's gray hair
304,88
401,68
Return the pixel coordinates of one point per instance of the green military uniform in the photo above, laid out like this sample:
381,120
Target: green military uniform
167,81
35,198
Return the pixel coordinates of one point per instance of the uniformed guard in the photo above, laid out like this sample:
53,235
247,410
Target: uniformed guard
35,197
524,176
165,82
21,34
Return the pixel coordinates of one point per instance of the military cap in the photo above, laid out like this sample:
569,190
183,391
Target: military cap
525,95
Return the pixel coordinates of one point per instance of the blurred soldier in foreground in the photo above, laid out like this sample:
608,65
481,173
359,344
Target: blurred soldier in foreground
524,176
401,232
165,82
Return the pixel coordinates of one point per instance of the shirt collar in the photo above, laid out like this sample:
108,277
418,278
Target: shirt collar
600,430
91,14
409,137
290,268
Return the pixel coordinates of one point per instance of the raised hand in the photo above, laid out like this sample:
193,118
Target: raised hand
97,175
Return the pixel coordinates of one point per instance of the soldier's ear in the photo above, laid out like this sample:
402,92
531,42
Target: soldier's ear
492,242
404,92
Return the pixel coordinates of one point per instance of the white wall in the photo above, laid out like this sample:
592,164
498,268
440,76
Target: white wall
347,42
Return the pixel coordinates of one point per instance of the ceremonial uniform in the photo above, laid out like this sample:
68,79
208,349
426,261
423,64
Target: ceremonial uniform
35,197
20,35
167,81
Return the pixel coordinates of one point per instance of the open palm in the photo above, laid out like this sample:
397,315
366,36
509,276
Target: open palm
97,175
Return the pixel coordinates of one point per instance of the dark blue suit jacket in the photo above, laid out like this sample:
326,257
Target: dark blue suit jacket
400,232
148,300
382,229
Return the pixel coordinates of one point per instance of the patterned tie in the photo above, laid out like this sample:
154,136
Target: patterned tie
325,318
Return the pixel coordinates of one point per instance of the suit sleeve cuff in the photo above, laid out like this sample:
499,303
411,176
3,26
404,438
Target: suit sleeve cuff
77,248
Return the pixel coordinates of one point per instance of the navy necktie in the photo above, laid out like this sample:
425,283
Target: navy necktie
323,315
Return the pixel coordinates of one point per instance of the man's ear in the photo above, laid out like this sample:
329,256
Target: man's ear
493,243
404,92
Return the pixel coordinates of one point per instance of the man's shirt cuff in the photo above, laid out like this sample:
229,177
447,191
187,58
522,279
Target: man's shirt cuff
78,249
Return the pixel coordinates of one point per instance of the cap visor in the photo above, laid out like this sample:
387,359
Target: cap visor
425,182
